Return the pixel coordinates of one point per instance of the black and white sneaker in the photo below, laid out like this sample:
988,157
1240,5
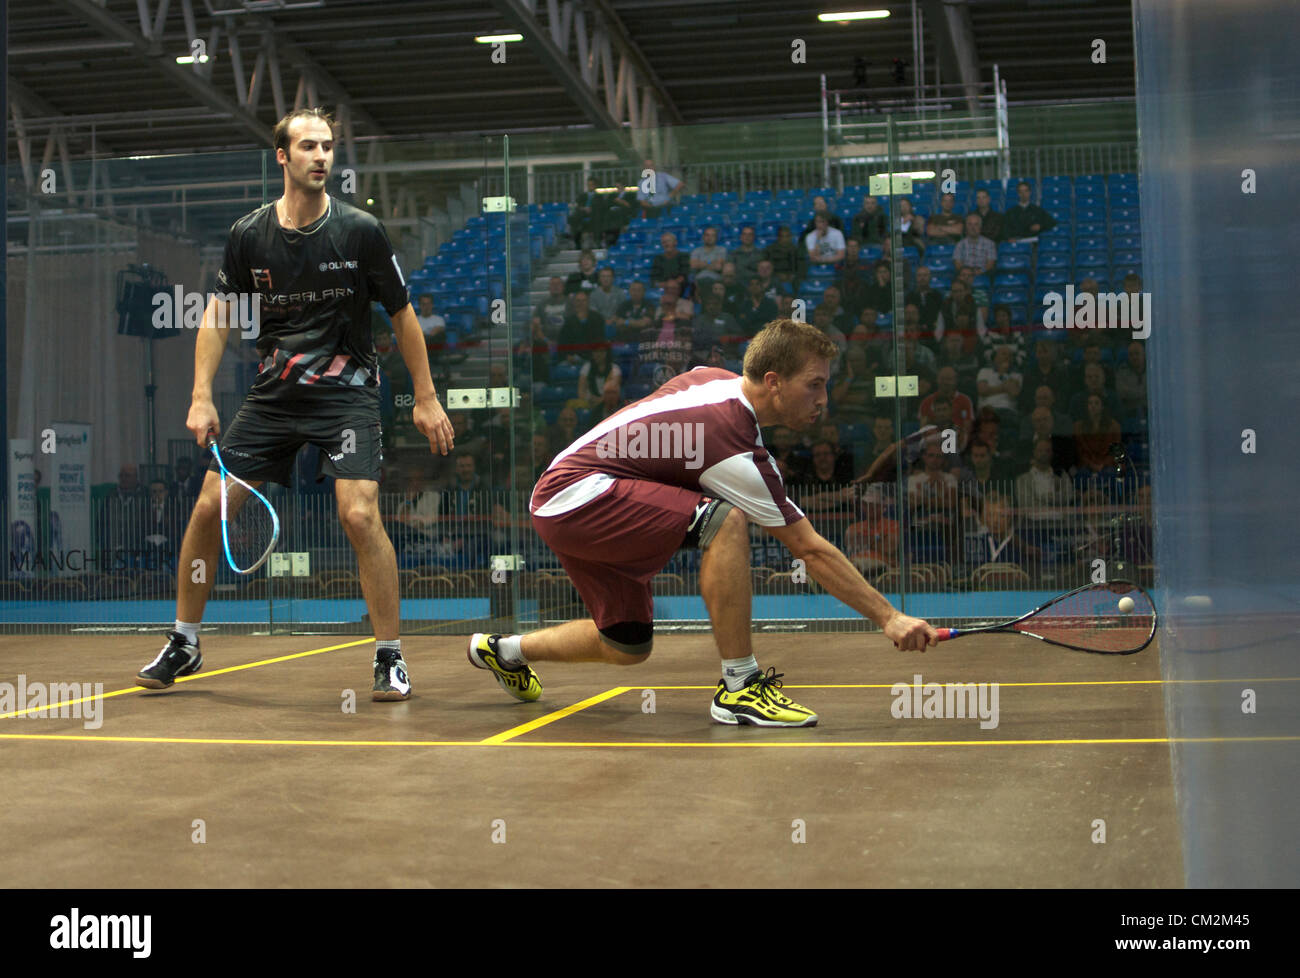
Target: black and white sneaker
391,679
179,657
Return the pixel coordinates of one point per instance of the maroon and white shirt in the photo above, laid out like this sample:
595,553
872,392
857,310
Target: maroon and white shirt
698,431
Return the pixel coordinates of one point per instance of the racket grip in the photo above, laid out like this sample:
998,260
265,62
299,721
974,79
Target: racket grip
943,634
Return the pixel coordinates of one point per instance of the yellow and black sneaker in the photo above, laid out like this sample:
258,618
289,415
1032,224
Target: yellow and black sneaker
520,681
760,703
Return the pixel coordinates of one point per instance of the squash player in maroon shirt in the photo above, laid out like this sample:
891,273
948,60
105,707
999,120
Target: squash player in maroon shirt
686,467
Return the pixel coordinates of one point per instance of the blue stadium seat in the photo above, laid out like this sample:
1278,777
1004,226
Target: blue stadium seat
1090,259
1125,214
1012,262
1052,276
1127,258
1126,242
1011,280
1054,246
1090,243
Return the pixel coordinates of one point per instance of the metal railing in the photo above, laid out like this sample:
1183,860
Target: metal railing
969,538
805,173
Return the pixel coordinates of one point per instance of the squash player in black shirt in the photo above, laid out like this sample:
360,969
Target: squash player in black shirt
316,264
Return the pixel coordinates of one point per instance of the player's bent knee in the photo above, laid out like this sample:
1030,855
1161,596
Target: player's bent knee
712,517
634,639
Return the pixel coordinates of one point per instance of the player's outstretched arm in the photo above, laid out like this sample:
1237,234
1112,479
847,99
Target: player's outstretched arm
209,345
428,415
836,573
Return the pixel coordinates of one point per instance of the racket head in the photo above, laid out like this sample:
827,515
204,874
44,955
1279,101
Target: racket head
1089,619
250,527
1086,619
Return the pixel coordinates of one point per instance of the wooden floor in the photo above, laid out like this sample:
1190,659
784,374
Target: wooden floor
617,777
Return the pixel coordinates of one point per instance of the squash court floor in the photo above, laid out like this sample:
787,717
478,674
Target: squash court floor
253,774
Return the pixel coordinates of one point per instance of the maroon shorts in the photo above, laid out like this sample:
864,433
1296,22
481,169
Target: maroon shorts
613,546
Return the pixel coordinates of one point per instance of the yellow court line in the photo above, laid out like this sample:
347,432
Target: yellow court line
1090,682
228,741
490,742
186,679
904,743
542,721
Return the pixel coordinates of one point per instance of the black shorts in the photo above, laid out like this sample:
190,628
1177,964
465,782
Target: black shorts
262,441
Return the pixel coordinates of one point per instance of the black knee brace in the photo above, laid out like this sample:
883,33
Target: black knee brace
631,637
705,522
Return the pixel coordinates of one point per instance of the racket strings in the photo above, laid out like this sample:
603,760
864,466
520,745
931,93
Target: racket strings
1091,619
250,533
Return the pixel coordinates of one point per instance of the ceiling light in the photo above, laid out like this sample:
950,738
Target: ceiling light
844,16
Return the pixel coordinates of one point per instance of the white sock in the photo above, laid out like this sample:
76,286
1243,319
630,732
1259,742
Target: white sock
189,629
510,650
736,671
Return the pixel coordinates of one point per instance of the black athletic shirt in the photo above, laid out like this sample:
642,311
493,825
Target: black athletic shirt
316,286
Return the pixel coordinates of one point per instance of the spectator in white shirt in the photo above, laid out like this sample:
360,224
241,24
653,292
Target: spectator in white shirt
999,385
825,244
1041,485
432,325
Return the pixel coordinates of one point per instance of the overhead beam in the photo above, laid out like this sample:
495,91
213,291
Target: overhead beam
327,86
955,38
31,111
629,49
542,42
151,50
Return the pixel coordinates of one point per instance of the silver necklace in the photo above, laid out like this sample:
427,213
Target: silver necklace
329,208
